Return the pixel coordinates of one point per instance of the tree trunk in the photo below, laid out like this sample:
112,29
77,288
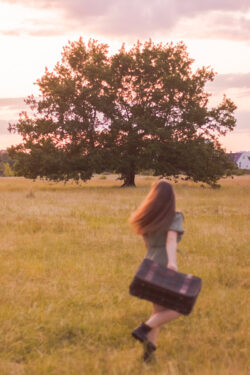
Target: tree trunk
129,179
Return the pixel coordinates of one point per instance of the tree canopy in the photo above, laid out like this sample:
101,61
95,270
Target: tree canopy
143,108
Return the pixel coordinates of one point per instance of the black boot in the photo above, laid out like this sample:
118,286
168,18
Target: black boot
149,349
140,333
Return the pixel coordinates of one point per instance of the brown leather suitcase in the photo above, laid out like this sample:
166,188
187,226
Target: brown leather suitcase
163,286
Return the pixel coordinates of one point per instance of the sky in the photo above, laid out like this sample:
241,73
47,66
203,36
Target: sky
216,33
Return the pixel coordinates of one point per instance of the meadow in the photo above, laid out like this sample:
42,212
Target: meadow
67,257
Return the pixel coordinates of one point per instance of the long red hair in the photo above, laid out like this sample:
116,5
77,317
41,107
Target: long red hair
156,211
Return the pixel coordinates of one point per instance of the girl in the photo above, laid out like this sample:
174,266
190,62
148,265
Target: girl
161,228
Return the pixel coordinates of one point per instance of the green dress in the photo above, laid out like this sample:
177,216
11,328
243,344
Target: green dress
156,241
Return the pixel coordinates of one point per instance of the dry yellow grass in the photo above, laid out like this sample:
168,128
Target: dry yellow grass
67,257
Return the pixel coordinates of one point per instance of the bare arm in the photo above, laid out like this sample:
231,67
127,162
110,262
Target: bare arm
171,248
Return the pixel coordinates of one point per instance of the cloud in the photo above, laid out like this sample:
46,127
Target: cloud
14,32
243,120
37,33
9,110
217,25
229,81
12,103
191,7
4,127
145,18
100,7
236,86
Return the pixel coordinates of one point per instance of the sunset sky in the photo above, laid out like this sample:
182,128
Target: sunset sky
216,32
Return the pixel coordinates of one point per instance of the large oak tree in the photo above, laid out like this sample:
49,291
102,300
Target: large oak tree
137,109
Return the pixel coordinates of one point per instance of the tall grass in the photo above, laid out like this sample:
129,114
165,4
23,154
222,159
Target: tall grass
67,257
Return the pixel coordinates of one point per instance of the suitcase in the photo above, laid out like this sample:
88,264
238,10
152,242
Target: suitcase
163,286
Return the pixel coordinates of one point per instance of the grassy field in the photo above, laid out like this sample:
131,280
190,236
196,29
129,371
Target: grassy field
67,257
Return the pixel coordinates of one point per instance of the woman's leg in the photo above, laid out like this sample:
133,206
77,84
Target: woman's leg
160,317
150,329
152,335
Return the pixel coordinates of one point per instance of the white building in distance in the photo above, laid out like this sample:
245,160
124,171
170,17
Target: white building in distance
242,159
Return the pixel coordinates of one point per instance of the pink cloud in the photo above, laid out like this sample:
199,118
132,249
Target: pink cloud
143,18
12,103
228,81
3,127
